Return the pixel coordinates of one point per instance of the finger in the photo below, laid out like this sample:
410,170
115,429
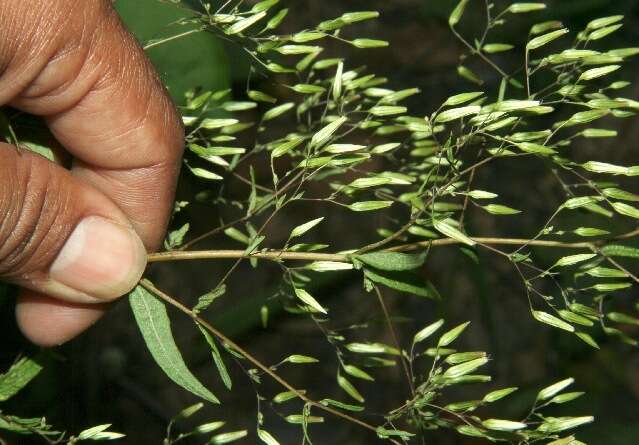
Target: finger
49,322
61,236
103,102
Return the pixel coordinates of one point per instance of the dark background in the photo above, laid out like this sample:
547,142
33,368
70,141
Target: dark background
107,375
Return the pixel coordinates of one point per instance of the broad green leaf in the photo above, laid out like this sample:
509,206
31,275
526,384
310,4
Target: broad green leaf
427,331
302,229
153,321
217,358
392,261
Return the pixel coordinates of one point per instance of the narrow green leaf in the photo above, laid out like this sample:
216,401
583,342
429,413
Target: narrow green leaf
217,358
153,321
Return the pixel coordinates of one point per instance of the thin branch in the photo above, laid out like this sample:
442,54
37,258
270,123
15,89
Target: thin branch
391,328
277,255
258,364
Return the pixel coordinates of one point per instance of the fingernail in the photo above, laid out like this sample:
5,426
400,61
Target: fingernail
101,259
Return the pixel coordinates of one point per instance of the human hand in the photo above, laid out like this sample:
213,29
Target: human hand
75,239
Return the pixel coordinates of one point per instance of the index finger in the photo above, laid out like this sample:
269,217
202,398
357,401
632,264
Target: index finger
104,102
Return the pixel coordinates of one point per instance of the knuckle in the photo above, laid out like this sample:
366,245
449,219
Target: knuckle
32,228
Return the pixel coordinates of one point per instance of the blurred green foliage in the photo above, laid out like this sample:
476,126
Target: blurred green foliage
196,60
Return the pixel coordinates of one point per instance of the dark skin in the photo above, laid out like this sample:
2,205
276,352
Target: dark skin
76,239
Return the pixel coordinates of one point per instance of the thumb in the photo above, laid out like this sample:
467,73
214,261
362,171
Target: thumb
60,236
